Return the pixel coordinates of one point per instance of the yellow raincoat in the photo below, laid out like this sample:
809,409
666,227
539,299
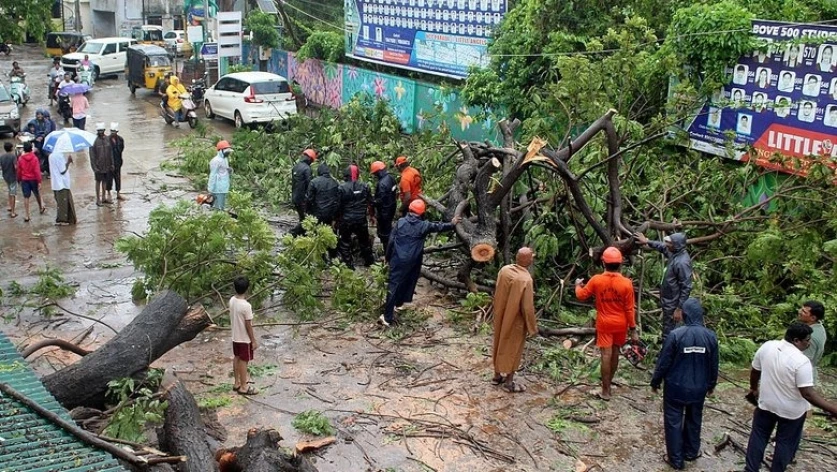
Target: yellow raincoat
174,91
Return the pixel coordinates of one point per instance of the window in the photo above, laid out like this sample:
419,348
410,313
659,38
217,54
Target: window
170,35
223,85
4,94
238,86
110,48
92,48
272,87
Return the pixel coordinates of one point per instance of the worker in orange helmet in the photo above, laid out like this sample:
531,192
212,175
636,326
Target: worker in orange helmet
615,313
410,183
385,202
405,253
300,180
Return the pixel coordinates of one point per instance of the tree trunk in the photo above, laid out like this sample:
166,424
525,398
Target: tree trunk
162,325
261,454
183,432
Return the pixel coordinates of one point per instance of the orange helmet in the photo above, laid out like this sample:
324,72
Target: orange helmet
223,144
400,160
376,166
418,207
612,255
310,153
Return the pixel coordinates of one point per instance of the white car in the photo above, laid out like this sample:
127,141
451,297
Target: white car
108,56
250,97
176,41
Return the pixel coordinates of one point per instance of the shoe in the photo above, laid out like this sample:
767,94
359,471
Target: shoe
383,321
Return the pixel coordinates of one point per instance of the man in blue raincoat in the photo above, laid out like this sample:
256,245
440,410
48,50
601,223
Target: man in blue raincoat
688,364
677,280
405,253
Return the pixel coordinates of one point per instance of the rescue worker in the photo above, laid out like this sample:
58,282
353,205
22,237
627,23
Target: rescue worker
300,179
322,198
688,364
405,253
355,200
175,104
386,194
677,280
410,183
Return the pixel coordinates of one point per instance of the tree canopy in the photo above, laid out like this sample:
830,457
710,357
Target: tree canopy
23,17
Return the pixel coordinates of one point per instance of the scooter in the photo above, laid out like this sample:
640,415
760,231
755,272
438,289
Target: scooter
64,107
53,88
85,75
198,90
188,108
19,90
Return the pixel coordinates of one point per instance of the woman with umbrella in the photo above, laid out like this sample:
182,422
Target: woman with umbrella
78,102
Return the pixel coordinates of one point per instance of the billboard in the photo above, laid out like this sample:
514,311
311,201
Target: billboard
780,105
441,37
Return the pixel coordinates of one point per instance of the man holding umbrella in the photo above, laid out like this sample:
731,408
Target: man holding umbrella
101,160
61,144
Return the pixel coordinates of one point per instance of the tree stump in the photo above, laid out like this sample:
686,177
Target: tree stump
261,454
183,432
162,325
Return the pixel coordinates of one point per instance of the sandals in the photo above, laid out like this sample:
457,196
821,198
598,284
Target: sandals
250,391
514,388
498,380
43,210
601,397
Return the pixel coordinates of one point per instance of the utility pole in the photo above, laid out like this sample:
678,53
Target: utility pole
77,16
205,21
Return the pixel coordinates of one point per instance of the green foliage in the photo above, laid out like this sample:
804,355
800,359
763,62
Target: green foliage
137,406
409,320
262,370
313,422
19,18
195,251
215,402
568,366
355,292
51,284
325,45
302,263
262,27
238,68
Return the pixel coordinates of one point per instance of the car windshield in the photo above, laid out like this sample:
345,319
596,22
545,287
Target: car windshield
276,86
4,94
91,48
153,35
158,61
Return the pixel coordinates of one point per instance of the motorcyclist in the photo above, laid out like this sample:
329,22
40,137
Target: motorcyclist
17,71
175,104
86,61
68,79
40,127
55,76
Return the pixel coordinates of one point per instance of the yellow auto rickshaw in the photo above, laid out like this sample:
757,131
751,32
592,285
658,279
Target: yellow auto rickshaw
148,34
59,43
145,66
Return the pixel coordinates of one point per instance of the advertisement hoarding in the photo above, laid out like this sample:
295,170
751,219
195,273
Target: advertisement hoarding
441,37
781,104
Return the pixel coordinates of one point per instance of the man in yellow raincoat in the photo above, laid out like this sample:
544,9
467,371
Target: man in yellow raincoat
173,92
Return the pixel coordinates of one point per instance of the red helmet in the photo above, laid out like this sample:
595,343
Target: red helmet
223,144
400,160
376,166
418,207
612,255
310,153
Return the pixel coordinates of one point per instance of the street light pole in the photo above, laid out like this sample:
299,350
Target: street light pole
77,16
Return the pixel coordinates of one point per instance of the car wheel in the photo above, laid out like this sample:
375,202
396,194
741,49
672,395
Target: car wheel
207,110
239,121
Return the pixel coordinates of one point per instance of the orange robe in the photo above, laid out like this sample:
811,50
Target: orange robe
514,316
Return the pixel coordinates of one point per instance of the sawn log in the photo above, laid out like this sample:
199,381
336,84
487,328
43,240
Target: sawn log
183,431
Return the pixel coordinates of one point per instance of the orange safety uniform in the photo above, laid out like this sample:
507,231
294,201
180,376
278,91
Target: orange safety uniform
615,306
410,183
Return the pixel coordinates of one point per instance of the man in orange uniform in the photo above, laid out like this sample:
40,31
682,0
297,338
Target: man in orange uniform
615,313
410,183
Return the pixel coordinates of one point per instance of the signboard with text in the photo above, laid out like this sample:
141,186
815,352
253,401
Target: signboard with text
781,104
441,37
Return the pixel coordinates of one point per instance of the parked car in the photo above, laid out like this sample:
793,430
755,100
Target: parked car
176,41
9,112
250,97
108,56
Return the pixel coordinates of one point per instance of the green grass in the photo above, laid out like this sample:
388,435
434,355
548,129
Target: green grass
313,422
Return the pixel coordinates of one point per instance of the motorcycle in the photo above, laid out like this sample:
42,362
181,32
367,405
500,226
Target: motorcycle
189,112
6,48
65,109
19,90
85,75
198,90
53,88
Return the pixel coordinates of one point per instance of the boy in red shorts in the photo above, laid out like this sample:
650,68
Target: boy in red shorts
244,341
615,313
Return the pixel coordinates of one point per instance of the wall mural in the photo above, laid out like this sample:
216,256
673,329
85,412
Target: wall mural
399,92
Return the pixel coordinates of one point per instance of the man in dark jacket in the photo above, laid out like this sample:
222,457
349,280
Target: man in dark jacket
689,365
322,198
386,200
118,145
300,179
355,199
405,253
677,280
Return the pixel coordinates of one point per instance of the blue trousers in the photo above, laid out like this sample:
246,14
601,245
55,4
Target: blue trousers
682,429
788,436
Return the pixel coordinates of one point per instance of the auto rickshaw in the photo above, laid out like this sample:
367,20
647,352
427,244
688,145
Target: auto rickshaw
148,34
59,43
145,66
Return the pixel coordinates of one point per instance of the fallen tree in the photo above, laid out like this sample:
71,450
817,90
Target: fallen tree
183,432
163,324
261,453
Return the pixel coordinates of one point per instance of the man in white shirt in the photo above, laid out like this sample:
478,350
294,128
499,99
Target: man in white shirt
782,382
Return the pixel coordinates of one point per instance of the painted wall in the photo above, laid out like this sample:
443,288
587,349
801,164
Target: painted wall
418,105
